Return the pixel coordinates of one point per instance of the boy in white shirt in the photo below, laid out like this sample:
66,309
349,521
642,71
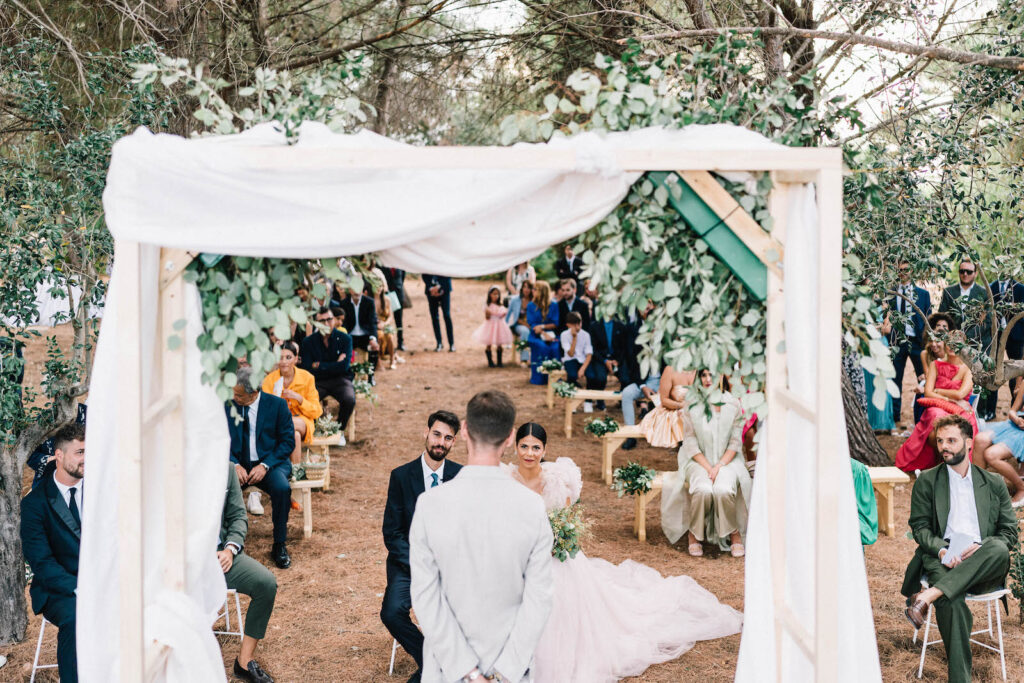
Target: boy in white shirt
577,351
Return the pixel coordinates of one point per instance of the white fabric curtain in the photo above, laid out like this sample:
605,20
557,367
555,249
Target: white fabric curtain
228,195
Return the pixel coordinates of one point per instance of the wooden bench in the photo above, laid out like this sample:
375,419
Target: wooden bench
323,445
640,508
884,481
610,443
553,378
305,491
581,395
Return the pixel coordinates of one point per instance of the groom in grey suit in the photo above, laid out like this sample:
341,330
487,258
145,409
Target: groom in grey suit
480,554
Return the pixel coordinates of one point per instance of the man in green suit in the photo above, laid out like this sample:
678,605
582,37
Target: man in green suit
248,577
961,502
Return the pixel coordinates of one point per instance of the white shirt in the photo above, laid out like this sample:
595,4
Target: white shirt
583,346
963,511
253,411
65,492
904,307
428,479
357,330
966,292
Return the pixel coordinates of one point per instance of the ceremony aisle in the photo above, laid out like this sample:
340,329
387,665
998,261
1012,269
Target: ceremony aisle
326,625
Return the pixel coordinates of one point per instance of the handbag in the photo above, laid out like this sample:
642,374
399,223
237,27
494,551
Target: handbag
393,301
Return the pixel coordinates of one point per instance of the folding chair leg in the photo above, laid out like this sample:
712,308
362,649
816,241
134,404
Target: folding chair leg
394,649
924,641
999,628
39,645
238,611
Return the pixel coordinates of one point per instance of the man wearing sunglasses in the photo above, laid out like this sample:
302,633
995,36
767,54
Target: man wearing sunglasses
906,342
975,322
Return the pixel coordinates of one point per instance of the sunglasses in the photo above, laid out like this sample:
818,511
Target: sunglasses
904,270
965,271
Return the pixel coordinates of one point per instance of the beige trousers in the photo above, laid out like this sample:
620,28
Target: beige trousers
712,510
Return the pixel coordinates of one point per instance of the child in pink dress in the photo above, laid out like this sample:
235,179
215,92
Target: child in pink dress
495,332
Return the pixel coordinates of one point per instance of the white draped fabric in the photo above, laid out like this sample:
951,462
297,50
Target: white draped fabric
251,194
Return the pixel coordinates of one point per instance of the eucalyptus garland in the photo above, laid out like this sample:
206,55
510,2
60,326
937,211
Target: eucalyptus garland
565,389
602,426
550,365
633,478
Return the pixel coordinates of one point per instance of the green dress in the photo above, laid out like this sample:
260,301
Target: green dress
867,508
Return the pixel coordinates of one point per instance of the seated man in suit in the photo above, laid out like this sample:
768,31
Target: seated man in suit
954,503
360,319
634,385
247,576
51,534
568,303
328,357
607,338
262,440
407,482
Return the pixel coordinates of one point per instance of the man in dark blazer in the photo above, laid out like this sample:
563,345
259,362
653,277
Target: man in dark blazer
568,303
957,502
407,482
51,534
1007,294
262,441
569,266
328,357
906,339
360,319
439,300
976,323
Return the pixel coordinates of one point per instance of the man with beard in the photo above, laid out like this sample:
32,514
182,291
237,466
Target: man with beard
407,482
957,506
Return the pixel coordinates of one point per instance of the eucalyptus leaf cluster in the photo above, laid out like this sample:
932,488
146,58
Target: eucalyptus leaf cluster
565,389
601,426
632,479
568,530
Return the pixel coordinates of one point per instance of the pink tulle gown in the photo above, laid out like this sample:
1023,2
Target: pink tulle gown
611,621
495,331
916,453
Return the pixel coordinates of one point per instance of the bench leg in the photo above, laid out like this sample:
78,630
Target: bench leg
610,445
350,428
325,452
641,517
307,513
550,394
886,522
571,404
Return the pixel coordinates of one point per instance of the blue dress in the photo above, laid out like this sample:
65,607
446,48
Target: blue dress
1010,435
541,350
880,420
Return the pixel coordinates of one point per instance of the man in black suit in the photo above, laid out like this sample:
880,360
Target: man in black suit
439,293
51,534
1007,294
407,482
907,342
967,304
569,266
360,319
328,357
262,441
568,303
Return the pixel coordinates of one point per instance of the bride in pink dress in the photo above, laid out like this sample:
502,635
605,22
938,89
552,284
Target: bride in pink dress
948,383
610,621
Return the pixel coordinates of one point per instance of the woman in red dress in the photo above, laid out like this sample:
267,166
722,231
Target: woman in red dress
948,383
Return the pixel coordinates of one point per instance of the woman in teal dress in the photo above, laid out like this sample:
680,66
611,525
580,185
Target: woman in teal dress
880,420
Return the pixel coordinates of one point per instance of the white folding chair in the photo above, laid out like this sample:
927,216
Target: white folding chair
394,649
991,601
36,666
226,614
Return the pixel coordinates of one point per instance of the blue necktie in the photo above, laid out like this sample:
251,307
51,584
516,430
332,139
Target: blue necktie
434,481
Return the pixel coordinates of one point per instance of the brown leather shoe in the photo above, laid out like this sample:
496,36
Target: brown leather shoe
917,612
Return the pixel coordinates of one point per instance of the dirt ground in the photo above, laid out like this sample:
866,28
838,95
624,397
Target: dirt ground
325,625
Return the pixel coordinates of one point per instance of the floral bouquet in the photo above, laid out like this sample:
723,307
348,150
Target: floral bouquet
363,368
568,528
550,365
326,425
565,389
633,479
362,387
601,427
520,344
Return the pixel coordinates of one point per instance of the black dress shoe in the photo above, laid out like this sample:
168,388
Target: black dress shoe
401,347
629,444
451,349
253,673
279,554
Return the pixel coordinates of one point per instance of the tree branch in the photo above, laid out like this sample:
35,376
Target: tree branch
932,51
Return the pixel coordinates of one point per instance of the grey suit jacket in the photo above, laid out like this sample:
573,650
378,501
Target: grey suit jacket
480,554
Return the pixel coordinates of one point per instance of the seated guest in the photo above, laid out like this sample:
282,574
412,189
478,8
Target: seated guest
948,383
517,275
247,576
577,350
607,338
957,504
708,496
568,303
298,388
1002,446
386,330
665,426
262,441
51,534
634,385
569,266
516,316
299,332
41,456
328,358
407,482
542,317
360,319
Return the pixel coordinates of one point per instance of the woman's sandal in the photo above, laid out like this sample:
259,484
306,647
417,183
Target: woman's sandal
737,550
695,550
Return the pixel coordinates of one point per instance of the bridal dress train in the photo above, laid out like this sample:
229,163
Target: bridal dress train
611,621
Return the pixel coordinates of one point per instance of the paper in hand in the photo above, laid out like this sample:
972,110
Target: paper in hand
958,543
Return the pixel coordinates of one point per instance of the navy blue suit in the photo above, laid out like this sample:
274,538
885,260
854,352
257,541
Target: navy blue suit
404,487
440,305
902,346
275,441
50,540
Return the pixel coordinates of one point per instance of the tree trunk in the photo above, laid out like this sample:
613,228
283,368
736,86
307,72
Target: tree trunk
863,444
13,614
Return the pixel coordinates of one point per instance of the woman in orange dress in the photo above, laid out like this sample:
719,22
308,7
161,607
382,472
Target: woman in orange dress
663,426
948,383
298,388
